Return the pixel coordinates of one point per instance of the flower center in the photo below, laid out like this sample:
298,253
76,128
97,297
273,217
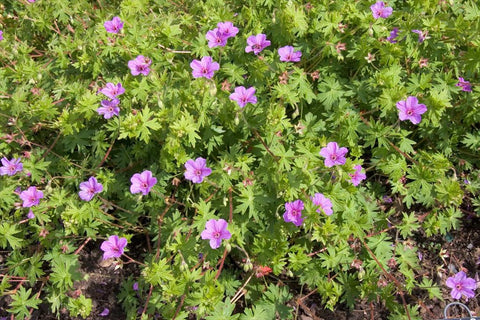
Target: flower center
204,70
458,286
333,157
295,213
198,172
256,46
216,235
410,112
144,185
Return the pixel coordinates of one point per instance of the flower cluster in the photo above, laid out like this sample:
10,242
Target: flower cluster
218,37
109,108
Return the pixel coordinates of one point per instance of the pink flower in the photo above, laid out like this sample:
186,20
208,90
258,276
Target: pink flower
216,38
140,65
411,110
31,197
293,212
196,170
216,230
1,35
32,1
323,202
380,11
112,91
89,188
287,54
333,154
257,43
113,247
30,214
142,182
10,167
114,25
109,108
243,96
227,29
466,86
461,285
204,67
358,176
422,35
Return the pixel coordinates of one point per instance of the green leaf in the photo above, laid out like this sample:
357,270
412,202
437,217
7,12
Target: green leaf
7,236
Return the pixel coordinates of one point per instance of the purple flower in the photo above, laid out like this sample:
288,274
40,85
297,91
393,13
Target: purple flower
216,38
89,188
140,65
135,286
113,247
293,212
196,170
10,167
216,230
411,110
244,96
287,54
31,1
30,214
114,25
257,43
393,35
204,68
1,35
227,29
31,197
333,154
325,203
466,86
358,176
112,91
109,108
461,285
380,11
142,182
105,312
422,35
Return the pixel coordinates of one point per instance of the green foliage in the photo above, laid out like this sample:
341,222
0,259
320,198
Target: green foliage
56,56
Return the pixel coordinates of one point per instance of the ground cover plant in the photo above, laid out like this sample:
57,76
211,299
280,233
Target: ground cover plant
258,159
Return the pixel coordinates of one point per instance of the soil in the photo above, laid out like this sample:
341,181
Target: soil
441,257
